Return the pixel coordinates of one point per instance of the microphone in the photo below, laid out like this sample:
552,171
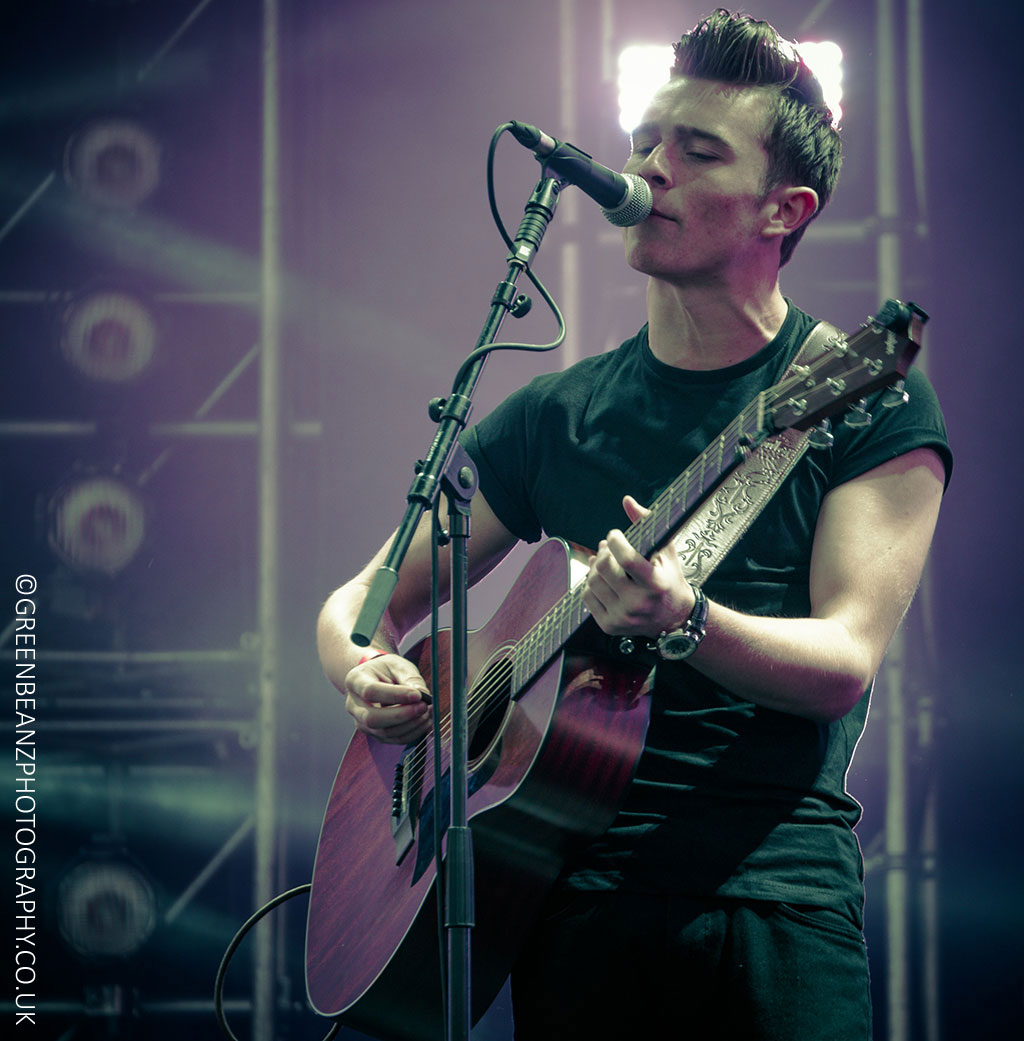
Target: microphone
625,199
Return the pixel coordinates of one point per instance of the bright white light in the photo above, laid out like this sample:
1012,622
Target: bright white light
643,68
825,60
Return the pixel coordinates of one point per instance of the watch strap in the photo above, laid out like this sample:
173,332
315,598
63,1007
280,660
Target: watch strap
693,629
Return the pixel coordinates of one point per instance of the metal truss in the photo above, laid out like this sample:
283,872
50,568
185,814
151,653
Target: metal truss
117,723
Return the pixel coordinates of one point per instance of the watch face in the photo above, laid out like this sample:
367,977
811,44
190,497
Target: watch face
678,645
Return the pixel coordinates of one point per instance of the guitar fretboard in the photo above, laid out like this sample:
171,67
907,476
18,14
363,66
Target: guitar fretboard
668,512
879,352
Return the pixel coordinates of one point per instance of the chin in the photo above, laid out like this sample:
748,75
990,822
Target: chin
649,264
640,257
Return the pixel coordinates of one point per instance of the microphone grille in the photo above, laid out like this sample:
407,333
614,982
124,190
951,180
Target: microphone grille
635,207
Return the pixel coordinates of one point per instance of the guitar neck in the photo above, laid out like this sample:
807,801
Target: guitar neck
879,353
667,513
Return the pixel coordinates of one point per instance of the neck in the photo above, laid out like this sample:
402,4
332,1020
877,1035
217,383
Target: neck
694,328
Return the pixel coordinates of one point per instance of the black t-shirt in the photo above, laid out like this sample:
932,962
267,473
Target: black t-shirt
729,798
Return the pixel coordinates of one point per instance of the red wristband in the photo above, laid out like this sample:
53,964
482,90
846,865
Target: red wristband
370,656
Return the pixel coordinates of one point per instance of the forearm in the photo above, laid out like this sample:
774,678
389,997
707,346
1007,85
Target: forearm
410,600
811,667
386,696
338,654
337,619
869,551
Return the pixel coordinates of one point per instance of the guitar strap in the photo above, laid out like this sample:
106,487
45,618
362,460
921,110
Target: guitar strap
722,519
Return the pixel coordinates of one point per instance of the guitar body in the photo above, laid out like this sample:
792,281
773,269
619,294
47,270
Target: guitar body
548,769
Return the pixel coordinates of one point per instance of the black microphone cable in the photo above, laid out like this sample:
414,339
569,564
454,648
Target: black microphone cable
218,986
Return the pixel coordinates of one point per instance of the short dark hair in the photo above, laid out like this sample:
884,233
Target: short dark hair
802,144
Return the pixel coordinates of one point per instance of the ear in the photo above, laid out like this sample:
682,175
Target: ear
787,209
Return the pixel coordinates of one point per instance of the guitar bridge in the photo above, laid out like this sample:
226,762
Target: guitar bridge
405,800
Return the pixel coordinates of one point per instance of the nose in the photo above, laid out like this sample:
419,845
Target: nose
654,167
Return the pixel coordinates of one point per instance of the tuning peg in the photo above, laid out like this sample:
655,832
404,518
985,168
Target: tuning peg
895,395
858,417
821,436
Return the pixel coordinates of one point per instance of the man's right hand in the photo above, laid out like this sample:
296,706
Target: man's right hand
388,699
386,695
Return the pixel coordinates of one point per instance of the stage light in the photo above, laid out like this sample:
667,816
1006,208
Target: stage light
97,524
108,336
643,68
825,60
106,907
113,162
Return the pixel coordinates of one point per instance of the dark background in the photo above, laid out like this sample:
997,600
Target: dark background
389,260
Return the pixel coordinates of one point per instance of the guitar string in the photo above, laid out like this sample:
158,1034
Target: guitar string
482,700
480,697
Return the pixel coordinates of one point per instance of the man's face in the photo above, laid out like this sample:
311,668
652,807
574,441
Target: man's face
699,146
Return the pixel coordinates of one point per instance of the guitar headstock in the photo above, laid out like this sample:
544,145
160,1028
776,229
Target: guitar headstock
878,354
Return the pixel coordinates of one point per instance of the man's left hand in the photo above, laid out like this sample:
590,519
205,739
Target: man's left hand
629,595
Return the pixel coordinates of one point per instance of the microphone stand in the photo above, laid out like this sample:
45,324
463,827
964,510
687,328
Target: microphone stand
447,468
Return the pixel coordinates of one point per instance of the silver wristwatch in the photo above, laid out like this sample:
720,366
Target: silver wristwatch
678,644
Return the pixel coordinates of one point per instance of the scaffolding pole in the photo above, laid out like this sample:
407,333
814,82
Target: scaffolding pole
889,270
264,984
568,214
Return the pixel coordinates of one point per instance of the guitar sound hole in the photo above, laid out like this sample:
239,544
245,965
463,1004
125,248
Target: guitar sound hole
489,701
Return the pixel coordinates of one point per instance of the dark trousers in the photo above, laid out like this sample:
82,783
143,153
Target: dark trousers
628,965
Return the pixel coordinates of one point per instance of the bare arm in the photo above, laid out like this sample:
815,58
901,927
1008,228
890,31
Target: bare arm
870,546
385,695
